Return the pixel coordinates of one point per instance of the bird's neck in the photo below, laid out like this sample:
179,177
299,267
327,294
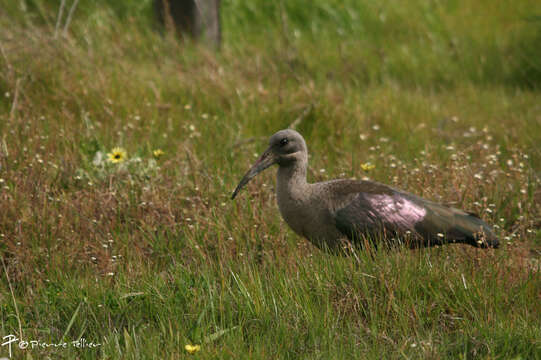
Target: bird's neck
291,180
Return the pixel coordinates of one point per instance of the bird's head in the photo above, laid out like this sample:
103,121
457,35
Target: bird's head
286,147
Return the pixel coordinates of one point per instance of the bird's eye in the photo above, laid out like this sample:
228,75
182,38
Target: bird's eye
284,142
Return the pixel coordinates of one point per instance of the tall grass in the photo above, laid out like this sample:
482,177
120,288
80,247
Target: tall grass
149,255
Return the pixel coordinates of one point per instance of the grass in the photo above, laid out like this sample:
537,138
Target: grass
148,255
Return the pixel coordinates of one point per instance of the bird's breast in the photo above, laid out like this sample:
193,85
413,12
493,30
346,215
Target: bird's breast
294,211
308,216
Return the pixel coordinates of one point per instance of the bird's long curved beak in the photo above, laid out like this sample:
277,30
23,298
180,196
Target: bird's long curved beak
267,159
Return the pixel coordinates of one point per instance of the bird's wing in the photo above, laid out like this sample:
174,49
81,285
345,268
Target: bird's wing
369,208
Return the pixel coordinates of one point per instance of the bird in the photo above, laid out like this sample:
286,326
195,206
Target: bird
346,213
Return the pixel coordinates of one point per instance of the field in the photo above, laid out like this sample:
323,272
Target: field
147,255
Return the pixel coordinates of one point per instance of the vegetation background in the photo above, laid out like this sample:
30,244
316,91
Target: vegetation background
147,255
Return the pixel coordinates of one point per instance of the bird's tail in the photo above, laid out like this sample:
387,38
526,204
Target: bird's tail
469,228
450,225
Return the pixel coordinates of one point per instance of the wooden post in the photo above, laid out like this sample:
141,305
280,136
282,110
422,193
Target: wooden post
198,19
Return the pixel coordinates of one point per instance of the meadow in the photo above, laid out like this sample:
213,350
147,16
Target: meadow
148,254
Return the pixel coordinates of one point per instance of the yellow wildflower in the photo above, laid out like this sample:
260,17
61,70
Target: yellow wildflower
158,153
117,155
367,166
192,349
